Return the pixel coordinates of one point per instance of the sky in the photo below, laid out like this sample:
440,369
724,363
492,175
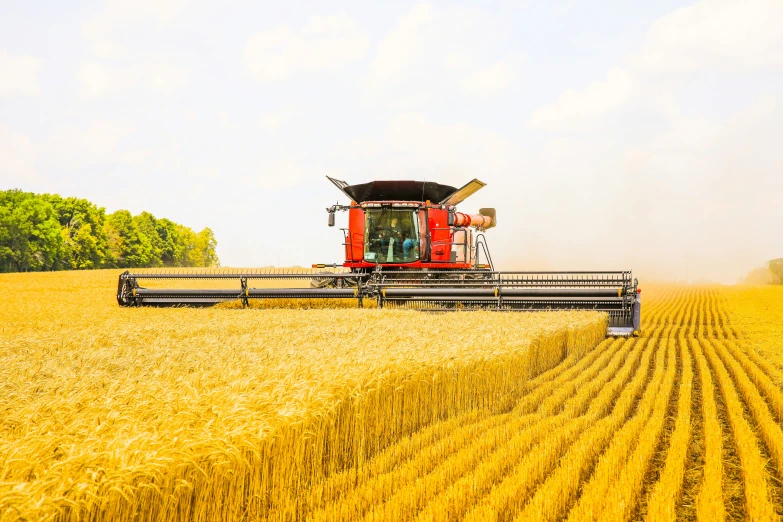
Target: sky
611,135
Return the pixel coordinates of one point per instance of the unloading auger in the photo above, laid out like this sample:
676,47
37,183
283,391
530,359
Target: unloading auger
407,246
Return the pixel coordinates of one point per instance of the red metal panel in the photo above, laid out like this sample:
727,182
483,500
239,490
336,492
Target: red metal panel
416,264
354,250
440,233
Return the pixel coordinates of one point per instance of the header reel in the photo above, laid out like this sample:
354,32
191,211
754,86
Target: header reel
615,293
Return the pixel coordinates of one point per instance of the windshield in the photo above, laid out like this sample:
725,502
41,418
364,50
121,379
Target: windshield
391,236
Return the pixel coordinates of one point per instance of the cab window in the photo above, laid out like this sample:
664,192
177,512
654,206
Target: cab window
391,236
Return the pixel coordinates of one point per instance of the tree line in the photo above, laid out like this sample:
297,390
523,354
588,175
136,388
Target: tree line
48,232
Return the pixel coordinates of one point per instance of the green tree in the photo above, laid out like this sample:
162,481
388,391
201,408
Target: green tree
85,244
172,250
116,245
198,248
49,232
6,253
187,239
135,248
148,226
31,238
207,246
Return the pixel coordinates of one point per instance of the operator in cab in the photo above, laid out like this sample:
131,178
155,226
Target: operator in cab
392,232
410,248
395,230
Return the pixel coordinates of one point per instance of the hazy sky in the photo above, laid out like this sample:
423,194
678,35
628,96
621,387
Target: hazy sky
614,135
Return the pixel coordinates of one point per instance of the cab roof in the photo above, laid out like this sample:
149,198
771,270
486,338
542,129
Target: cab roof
407,191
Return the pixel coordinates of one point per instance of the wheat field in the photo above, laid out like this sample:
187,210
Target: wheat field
335,414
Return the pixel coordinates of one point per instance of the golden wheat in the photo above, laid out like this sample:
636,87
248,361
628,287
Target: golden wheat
667,491
559,490
148,410
460,495
330,413
513,491
757,488
755,314
611,477
767,426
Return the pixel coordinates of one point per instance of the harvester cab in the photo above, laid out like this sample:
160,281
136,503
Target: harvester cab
406,245
412,225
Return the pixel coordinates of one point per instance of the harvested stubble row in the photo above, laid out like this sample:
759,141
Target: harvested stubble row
389,415
663,498
145,414
583,440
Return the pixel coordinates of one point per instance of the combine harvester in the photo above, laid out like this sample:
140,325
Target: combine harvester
407,246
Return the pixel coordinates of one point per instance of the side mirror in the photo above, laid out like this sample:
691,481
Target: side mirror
331,219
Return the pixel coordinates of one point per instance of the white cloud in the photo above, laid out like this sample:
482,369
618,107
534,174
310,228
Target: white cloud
414,147
17,158
325,43
75,148
153,76
359,149
719,34
577,110
119,65
489,81
224,117
283,171
402,47
271,122
457,148
205,172
18,75
194,193
107,30
714,35
436,51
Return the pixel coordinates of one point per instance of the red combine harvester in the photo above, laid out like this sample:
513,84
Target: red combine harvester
407,246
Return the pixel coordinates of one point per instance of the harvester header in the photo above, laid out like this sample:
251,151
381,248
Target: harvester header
406,245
